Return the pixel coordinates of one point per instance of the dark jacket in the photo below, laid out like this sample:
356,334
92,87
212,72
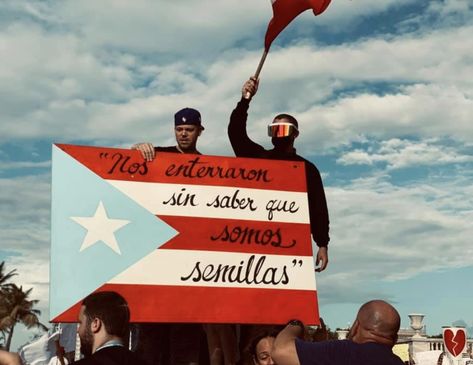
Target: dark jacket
114,355
243,146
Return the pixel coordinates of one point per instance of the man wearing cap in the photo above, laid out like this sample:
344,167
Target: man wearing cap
177,343
187,129
283,131
184,339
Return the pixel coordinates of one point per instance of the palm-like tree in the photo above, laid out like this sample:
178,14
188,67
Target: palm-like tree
5,277
4,285
18,308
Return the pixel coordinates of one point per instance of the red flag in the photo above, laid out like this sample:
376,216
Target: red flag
284,12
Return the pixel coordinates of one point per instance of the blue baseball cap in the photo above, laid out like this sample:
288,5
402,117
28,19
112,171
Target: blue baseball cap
188,116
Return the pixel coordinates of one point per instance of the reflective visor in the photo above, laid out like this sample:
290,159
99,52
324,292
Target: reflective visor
281,129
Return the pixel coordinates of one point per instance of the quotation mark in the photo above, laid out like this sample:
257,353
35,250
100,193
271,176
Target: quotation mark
295,262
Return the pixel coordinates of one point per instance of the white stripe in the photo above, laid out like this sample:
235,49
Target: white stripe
153,195
171,267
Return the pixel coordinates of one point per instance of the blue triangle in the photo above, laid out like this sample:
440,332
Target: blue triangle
76,192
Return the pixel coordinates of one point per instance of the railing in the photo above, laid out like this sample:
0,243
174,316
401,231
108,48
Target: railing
433,344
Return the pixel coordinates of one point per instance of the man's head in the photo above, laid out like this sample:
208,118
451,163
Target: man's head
187,128
283,131
377,321
103,316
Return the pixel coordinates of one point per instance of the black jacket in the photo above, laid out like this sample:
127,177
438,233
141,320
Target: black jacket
114,355
243,146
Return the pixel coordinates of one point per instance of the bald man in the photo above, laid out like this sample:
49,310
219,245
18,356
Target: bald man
369,342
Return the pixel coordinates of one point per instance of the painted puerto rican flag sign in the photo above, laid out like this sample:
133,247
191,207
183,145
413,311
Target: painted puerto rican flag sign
185,238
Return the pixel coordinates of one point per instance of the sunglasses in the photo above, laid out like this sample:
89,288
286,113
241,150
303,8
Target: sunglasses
281,129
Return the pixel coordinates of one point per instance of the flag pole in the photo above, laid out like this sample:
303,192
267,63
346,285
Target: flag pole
261,62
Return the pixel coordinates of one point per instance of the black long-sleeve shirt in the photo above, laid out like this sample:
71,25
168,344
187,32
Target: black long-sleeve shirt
243,146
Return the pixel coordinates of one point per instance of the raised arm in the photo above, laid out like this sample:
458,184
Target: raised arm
284,348
242,145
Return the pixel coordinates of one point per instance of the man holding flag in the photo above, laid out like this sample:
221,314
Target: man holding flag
283,131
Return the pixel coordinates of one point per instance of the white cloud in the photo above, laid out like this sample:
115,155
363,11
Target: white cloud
460,9
340,14
54,85
14,10
439,14
383,232
24,227
181,27
24,215
397,153
16,165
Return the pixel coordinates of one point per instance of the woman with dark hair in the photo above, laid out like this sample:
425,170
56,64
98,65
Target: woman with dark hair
260,348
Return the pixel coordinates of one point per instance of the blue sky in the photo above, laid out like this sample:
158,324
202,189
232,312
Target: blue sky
382,90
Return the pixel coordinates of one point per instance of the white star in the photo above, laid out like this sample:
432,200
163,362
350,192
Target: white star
100,228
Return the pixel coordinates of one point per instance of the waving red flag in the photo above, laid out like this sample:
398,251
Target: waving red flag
284,12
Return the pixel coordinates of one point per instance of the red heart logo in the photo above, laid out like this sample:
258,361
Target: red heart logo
454,345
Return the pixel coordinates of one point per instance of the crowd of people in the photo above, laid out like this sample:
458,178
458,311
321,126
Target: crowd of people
104,329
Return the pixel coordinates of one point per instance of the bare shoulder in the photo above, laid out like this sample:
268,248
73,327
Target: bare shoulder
9,358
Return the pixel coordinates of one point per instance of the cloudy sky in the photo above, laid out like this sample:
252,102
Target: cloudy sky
383,91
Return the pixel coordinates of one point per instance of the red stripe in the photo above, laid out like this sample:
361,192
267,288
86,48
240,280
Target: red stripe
128,165
231,235
212,305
